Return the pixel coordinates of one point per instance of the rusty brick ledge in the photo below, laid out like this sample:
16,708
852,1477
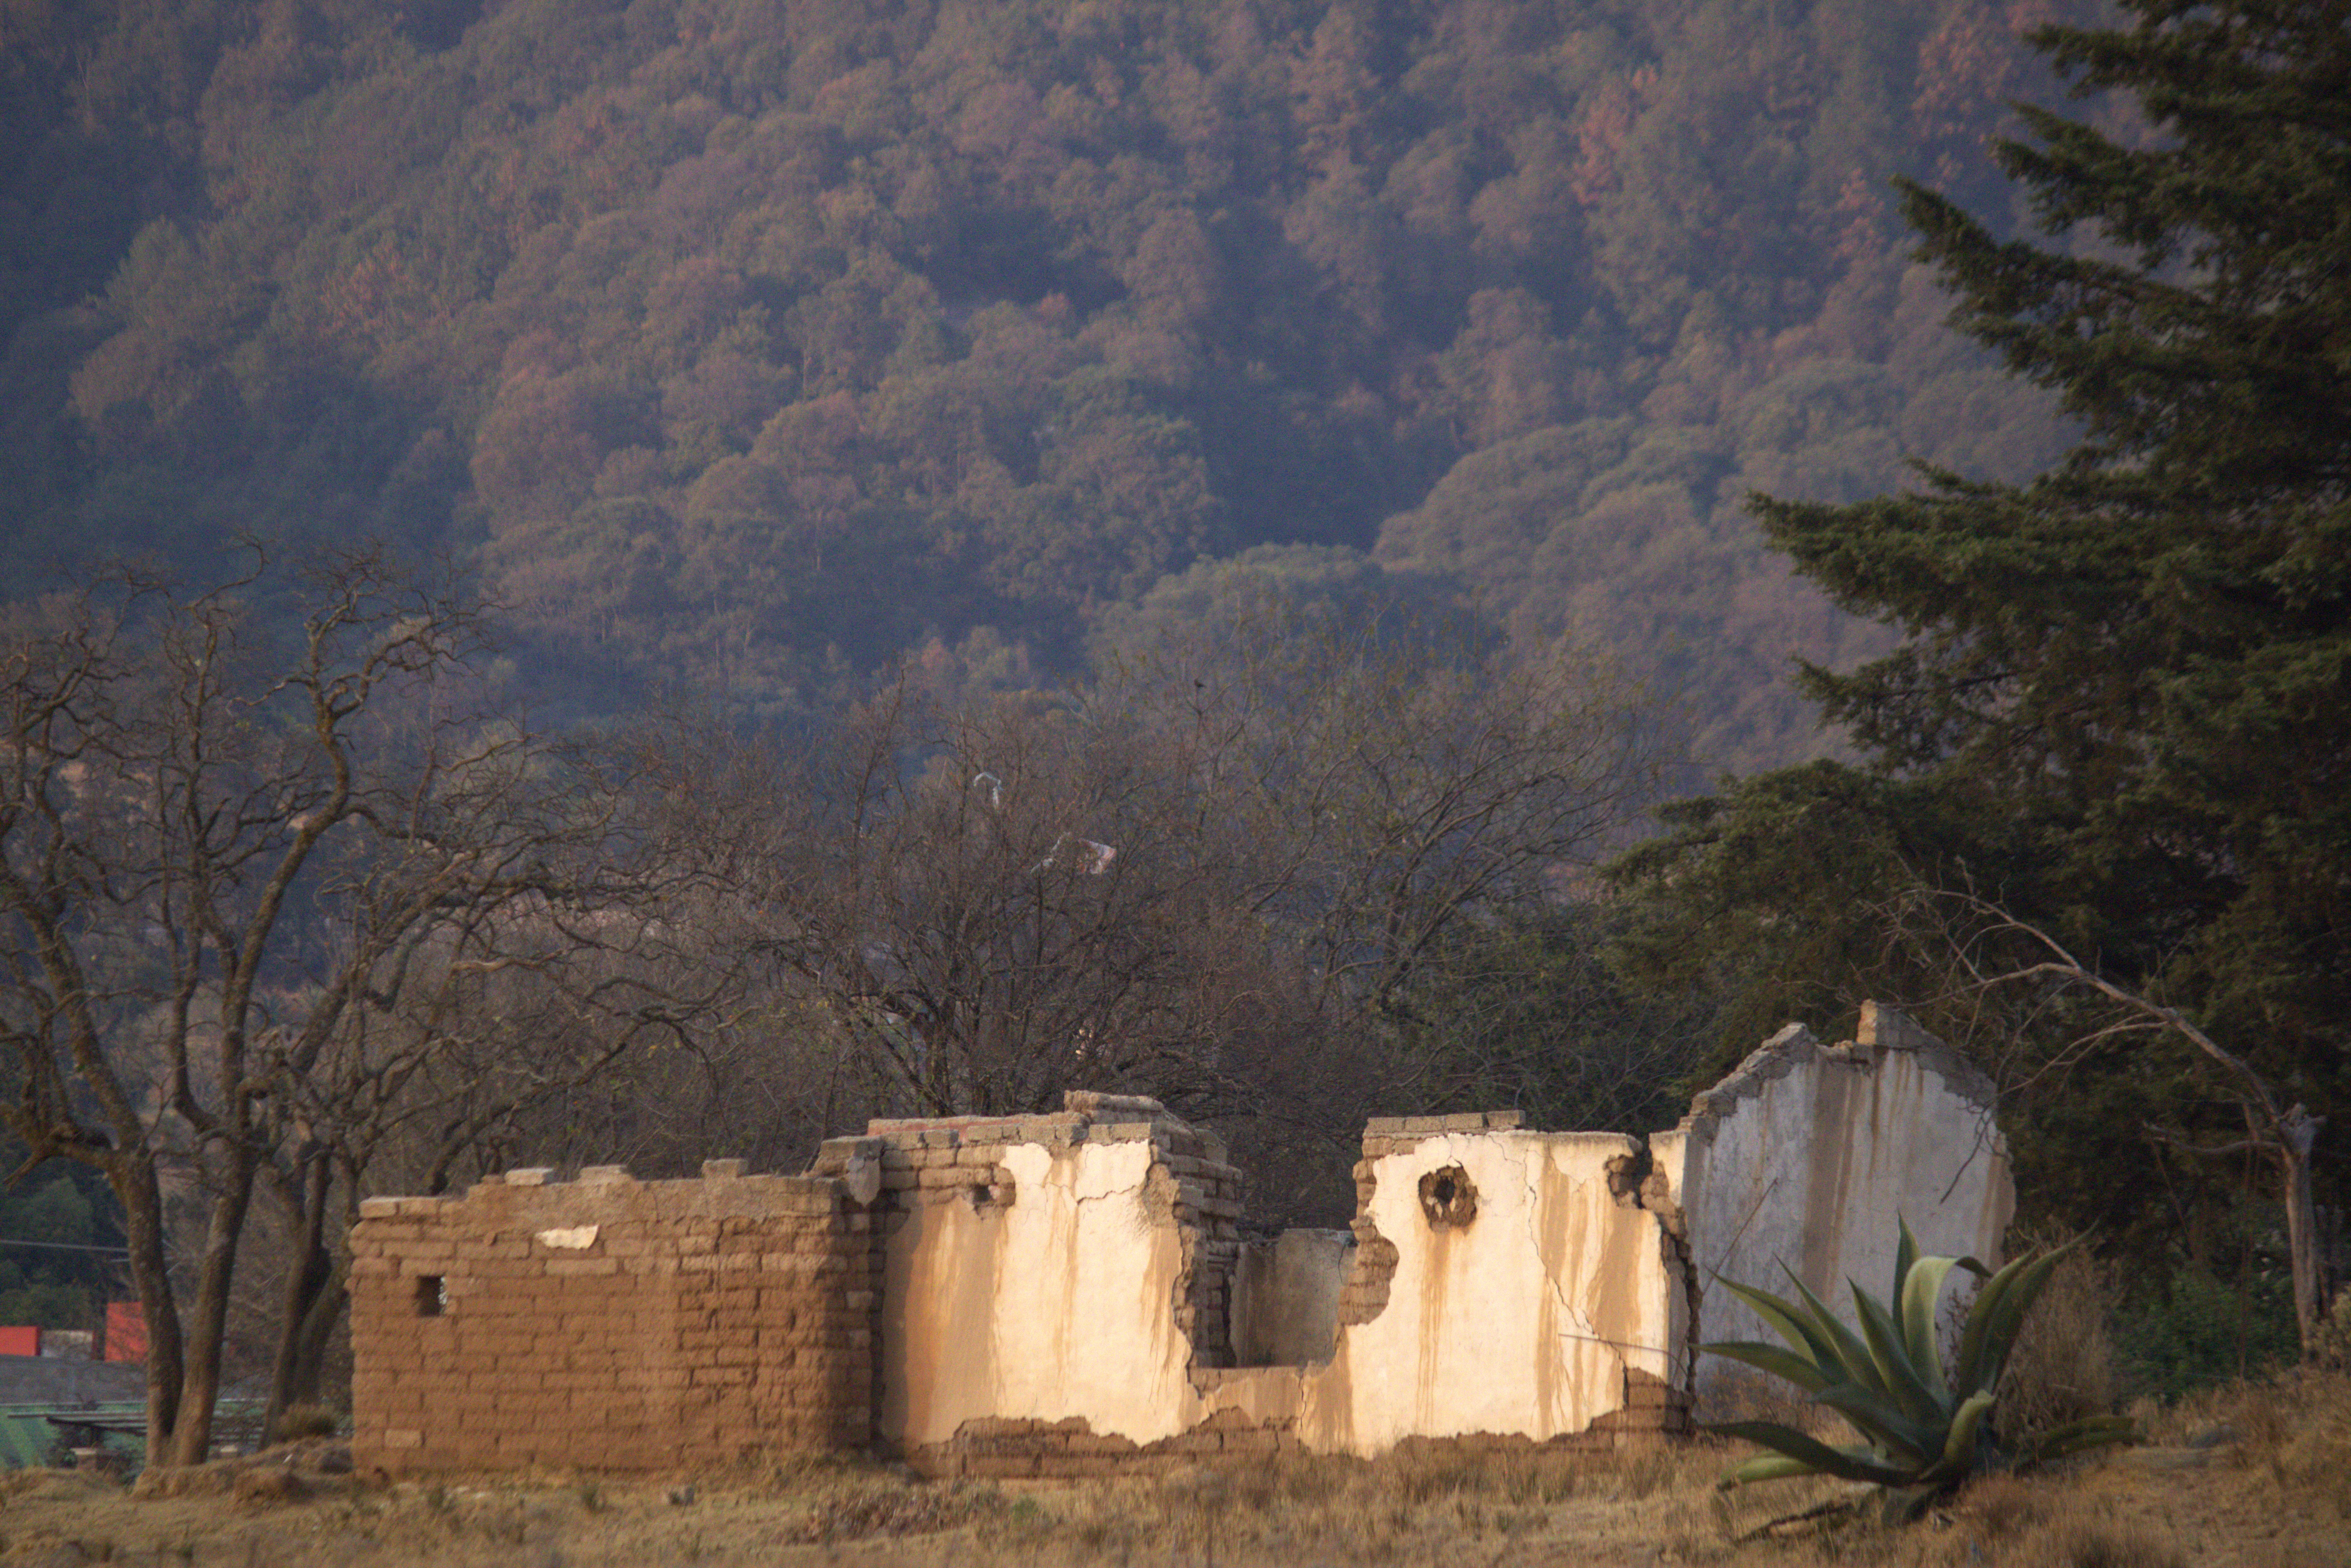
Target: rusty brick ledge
996,1447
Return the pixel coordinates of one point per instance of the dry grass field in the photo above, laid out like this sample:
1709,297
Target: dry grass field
2250,1478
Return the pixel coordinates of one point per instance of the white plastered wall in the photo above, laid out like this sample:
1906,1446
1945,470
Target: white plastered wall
1809,1156
1523,1322
1057,1303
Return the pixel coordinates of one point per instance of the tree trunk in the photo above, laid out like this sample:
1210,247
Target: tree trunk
317,1327
312,1301
191,1438
142,1210
2297,1132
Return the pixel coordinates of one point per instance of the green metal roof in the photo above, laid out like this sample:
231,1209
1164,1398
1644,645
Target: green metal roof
28,1439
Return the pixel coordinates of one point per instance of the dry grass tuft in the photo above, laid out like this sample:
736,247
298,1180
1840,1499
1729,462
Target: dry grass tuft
1336,1509
299,1421
2270,1490
2062,1367
2011,1523
2001,1507
2082,1543
2296,1429
864,1507
2000,1522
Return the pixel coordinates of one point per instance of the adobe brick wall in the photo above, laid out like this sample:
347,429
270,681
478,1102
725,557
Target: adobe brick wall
1070,1449
611,1324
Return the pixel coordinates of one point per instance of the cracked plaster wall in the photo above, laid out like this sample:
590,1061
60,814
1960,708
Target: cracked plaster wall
1523,1322
1808,1155
1053,1304
1575,1283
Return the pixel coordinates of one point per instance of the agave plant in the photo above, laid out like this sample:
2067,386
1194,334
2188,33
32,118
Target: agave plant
1925,1431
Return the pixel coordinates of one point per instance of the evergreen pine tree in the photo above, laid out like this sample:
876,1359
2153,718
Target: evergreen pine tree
2126,683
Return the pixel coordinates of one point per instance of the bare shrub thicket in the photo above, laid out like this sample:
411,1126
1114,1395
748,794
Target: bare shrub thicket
2062,1366
1229,873
275,902
2036,1013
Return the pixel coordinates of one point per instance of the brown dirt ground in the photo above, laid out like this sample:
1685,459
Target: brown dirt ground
2255,1479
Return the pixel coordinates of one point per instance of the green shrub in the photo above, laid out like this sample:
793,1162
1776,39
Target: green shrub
2199,1331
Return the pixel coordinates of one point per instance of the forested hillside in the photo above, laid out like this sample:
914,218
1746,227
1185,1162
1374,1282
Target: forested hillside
756,343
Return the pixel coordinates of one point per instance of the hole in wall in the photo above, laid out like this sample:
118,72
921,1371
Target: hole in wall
1449,1197
431,1295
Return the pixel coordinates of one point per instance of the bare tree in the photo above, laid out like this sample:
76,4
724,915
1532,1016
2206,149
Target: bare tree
219,852
498,1004
1382,784
1204,869
1995,950
984,906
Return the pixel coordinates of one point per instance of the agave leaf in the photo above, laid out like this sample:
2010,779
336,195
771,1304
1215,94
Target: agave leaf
1850,1354
1958,1456
2008,1314
1892,1359
1922,1290
1773,1359
1846,1464
1765,1468
2075,1437
1788,1320
1968,1375
1906,1255
1913,1442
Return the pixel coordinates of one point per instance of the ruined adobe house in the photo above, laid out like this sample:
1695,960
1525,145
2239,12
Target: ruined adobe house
1071,1293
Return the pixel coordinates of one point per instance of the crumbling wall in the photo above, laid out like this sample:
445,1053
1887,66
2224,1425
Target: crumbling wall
1531,1295
1068,1294
1504,1285
611,1324
1043,1268
1808,1155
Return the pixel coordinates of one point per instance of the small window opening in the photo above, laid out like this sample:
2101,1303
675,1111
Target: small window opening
431,1296
1449,1197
